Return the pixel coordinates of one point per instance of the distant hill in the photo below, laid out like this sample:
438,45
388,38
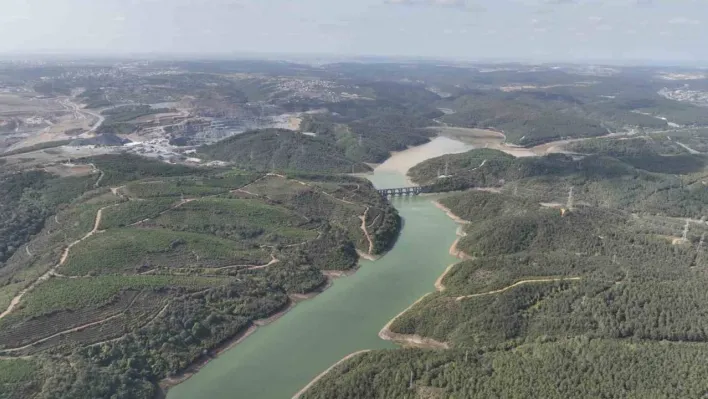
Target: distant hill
280,149
107,139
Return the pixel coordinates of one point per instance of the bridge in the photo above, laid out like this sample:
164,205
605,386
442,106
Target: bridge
402,191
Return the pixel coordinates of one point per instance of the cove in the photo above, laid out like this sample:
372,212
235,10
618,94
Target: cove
284,356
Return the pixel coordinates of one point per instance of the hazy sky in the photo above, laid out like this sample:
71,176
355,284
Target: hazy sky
465,29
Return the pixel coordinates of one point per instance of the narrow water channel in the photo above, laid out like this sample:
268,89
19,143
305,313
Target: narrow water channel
281,358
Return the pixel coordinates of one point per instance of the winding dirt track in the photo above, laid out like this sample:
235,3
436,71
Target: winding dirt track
366,232
522,282
16,300
368,255
273,261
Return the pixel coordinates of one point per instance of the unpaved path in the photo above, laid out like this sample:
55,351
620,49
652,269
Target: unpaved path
522,282
100,177
366,255
171,208
273,261
689,149
366,232
16,300
319,377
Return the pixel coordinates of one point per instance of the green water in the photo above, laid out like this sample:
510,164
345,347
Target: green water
281,358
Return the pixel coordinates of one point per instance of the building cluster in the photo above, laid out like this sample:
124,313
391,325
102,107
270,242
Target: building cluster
686,95
319,89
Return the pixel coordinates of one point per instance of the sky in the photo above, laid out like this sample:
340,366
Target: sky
513,30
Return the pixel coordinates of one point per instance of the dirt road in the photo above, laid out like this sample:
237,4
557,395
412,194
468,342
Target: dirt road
16,300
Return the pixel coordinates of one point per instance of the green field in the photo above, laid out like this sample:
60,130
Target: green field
135,249
239,219
73,294
132,212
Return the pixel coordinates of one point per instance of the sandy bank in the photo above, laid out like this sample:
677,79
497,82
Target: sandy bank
449,213
410,340
366,256
439,282
454,250
322,374
401,162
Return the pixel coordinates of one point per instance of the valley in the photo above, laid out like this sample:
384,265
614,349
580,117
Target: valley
188,229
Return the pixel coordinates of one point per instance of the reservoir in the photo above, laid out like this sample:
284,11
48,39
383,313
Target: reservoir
281,358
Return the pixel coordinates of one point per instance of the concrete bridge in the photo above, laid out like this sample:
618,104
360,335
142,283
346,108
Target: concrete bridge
401,191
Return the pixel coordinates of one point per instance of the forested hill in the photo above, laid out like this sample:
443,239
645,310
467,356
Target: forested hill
578,273
280,149
373,138
131,271
324,143
598,180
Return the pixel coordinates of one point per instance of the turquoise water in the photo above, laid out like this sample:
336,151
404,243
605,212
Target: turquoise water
281,358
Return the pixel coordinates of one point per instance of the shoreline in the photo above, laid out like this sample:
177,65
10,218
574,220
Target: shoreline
414,339
439,282
324,373
450,214
196,366
168,383
364,255
410,340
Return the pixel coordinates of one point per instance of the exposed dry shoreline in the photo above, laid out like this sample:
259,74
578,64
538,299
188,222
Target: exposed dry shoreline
411,340
322,374
449,213
439,286
366,256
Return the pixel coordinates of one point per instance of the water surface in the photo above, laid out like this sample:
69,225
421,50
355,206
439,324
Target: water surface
281,358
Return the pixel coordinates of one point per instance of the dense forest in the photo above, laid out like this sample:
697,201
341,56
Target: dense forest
371,139
580,270
280,149
524,119
573,368
28,198
633,183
